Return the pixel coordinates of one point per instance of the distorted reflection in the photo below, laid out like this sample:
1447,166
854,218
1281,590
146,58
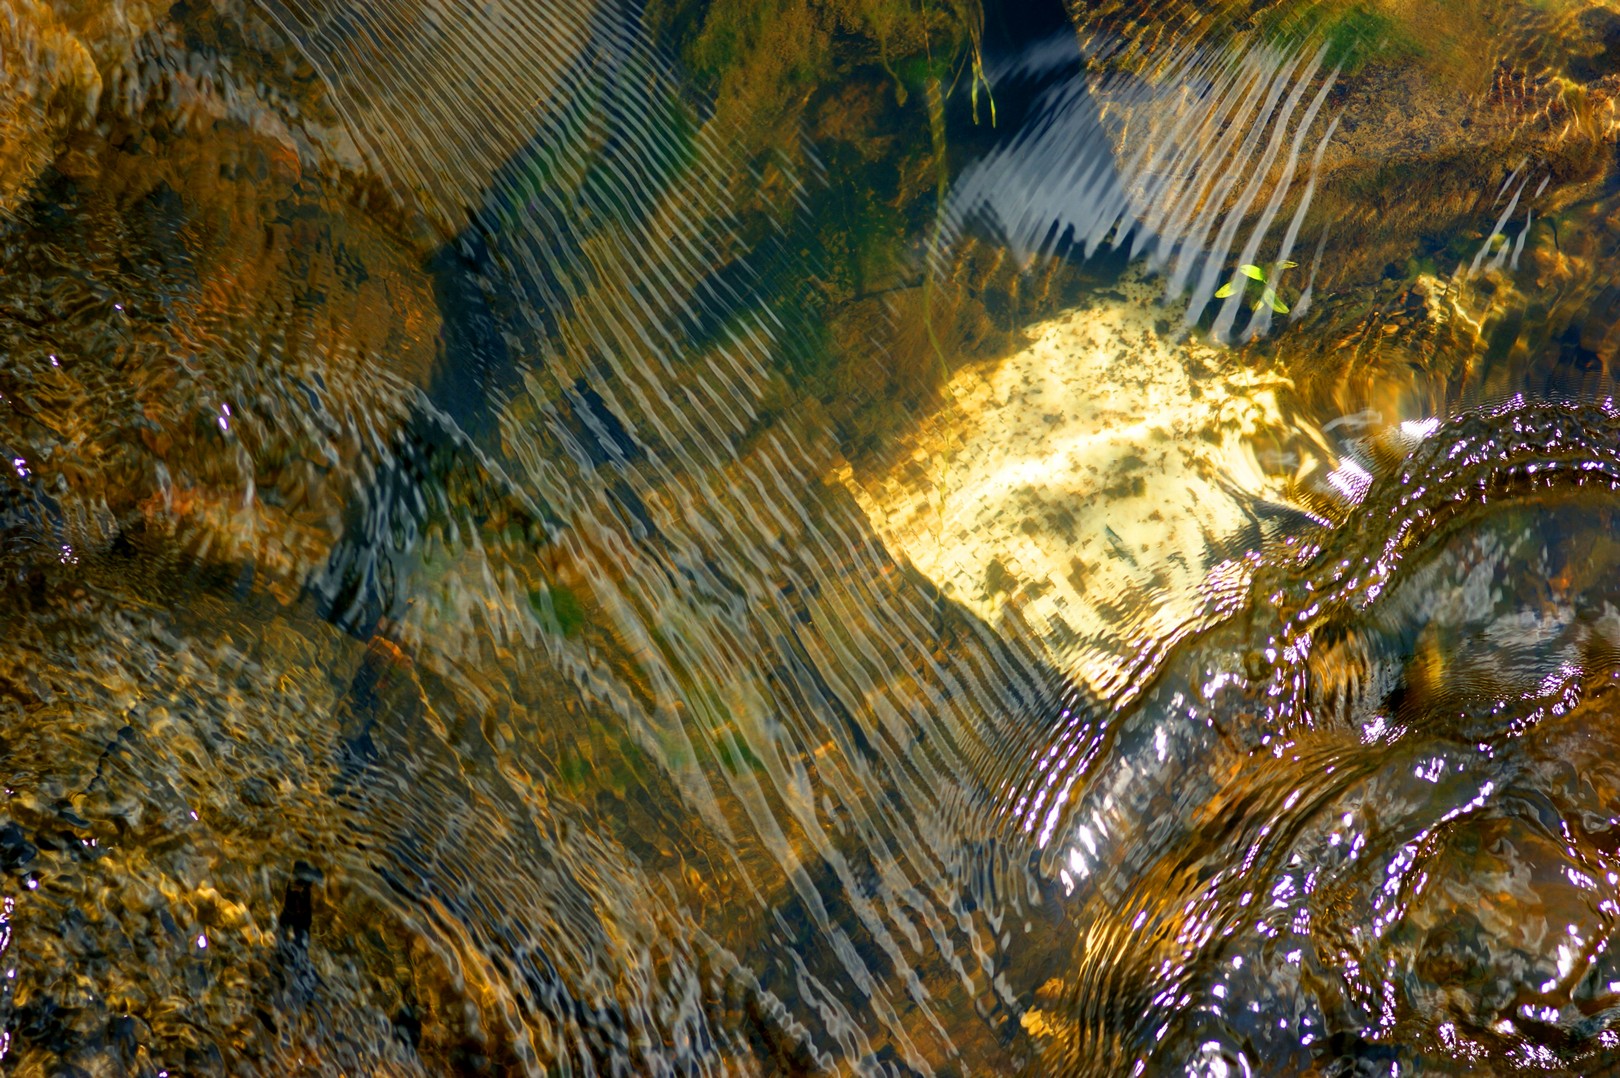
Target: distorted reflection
834,537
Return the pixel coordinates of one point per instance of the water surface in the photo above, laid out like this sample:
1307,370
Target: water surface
850,538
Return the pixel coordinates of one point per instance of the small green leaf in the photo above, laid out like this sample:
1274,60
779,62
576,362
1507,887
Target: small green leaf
1224,291
1277,305
1254,273
1287,265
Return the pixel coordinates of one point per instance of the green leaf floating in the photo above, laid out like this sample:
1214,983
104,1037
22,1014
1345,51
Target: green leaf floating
1270,296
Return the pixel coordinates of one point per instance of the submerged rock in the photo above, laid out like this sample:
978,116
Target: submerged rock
1085,488
359,721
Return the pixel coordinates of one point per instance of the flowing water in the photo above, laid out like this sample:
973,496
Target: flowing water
809,537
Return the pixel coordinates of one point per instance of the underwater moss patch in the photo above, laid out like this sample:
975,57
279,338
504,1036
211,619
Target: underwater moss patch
557,609
871,94
615,764
734,753
1353,35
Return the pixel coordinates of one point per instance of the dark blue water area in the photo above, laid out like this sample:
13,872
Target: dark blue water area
1041,178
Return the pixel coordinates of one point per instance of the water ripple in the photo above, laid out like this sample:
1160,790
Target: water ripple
453,625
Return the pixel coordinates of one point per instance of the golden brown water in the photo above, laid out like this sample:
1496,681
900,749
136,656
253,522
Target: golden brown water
825,537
